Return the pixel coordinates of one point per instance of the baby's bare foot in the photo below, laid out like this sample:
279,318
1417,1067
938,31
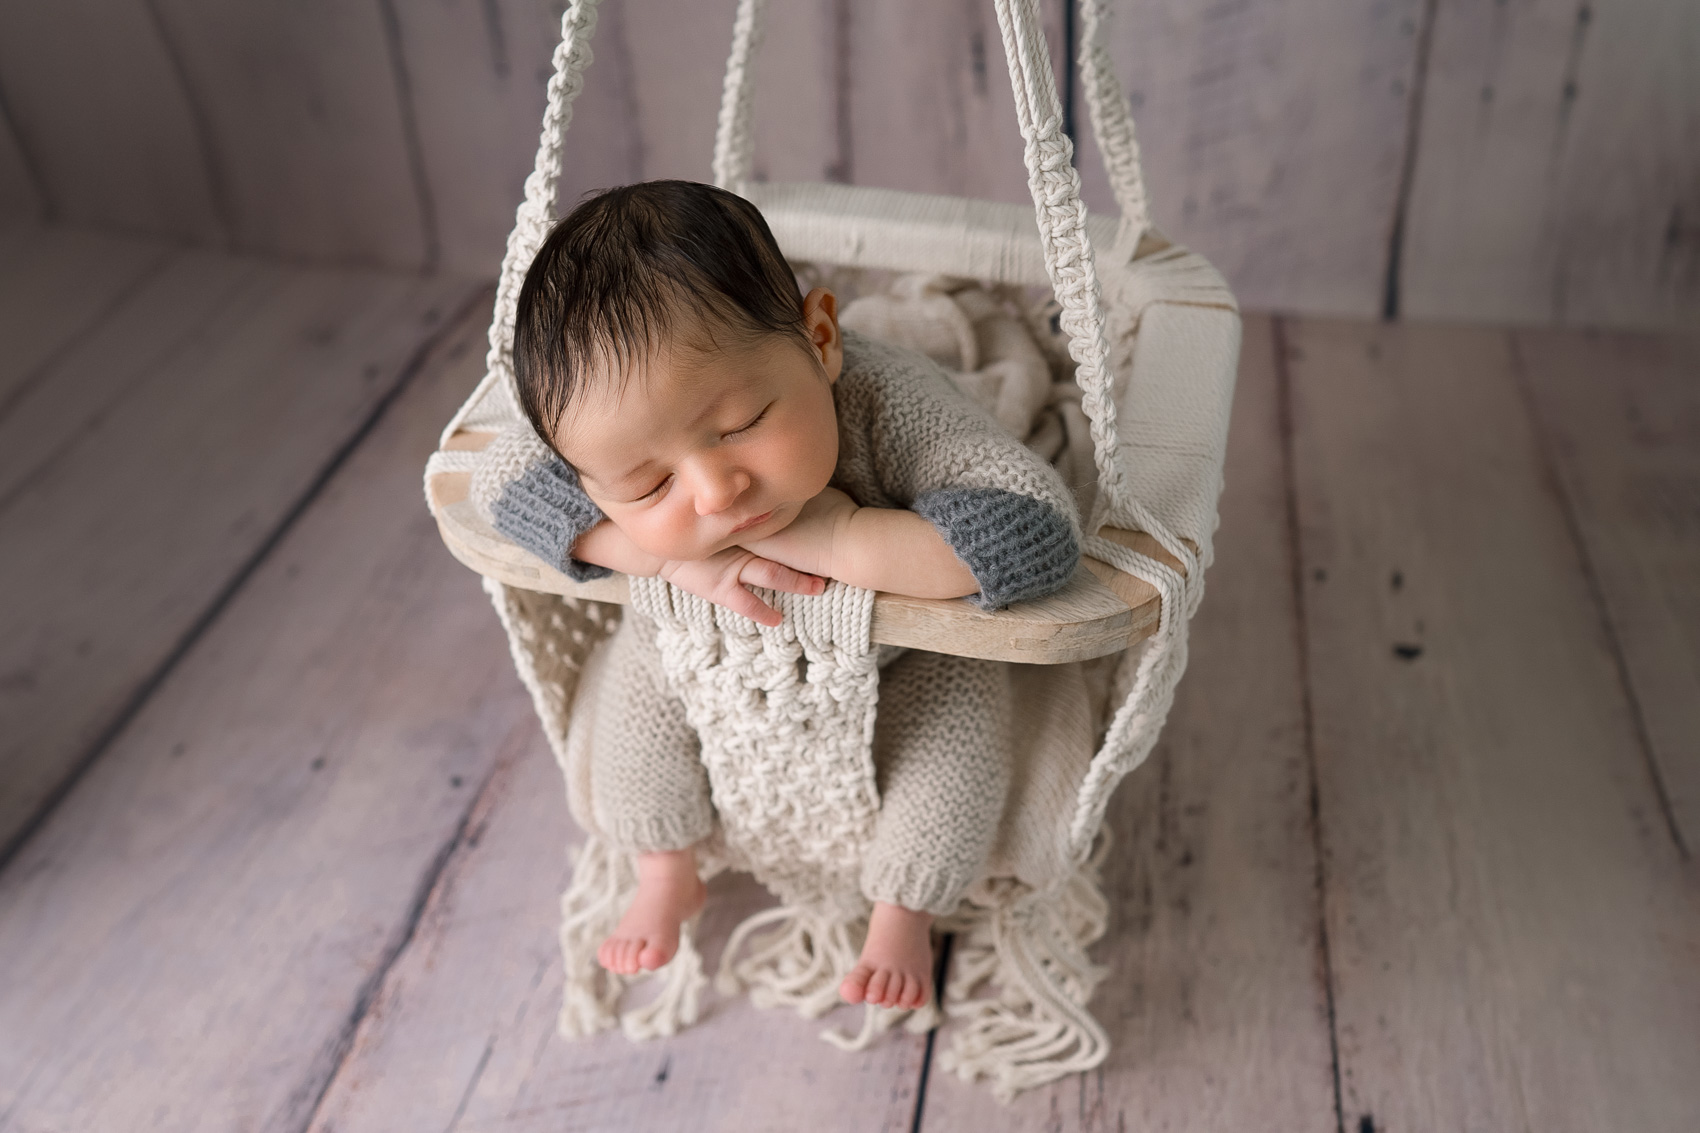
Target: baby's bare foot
896,965
669,894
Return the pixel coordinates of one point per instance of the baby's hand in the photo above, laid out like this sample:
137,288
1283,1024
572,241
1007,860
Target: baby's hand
724,578
808,542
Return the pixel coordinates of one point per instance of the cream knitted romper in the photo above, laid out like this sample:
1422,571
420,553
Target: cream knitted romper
908,438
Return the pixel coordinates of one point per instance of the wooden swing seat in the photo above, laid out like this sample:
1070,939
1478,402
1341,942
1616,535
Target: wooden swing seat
1101,611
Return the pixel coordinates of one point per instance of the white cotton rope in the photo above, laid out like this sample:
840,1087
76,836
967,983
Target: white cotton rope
734,144
536,212
1055,187
1112,124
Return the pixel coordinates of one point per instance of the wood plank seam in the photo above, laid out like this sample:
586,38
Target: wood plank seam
941,972
32,166
197,628
1408,164
1596,592
432,241
323,1073
206,138
843,167
1301,632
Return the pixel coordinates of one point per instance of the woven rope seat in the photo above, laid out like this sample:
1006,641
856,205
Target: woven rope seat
1153,334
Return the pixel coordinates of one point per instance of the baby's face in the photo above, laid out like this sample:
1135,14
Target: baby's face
699,451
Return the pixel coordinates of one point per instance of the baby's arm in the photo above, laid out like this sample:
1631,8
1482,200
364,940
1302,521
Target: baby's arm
723,578
910,439
532,496
887,549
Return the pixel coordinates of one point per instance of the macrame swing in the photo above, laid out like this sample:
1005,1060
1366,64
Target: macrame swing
1154,338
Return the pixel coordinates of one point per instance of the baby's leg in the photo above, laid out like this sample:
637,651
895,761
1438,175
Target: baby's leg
943,760
650,796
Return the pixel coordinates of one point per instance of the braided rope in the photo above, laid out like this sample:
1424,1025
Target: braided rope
1055,187
537,211
1112,123
734,146
1134,729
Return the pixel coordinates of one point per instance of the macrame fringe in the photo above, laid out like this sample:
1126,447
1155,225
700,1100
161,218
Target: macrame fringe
800,957
1028,950
604,880
1018,990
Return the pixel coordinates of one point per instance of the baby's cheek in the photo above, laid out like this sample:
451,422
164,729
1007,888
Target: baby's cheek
805,466
665,536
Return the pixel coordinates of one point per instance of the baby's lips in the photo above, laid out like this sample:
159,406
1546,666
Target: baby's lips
754,521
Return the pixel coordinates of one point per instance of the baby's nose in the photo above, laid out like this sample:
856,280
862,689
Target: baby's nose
719,490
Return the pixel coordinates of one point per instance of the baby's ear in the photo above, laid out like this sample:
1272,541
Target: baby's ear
820,323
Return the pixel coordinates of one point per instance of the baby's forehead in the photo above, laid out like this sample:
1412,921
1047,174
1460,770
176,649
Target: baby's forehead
671,385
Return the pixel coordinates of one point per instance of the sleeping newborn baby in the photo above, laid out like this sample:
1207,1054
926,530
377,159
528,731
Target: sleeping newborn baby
693,416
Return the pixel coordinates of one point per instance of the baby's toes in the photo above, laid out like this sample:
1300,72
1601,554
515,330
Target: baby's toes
651,955
854,989
629,957
878,984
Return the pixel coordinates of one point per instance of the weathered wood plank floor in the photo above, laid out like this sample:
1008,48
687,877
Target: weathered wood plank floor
285,842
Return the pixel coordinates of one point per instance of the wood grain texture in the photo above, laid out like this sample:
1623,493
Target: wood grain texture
56,286
100,378
190,938
677,56
462,1033
151,460
308,124
930,103
100,108
803,81
1214,1006
1621,418
1513,933
478,69
1558,169
1272,135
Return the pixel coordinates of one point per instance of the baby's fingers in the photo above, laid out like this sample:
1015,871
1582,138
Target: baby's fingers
777,576
739,600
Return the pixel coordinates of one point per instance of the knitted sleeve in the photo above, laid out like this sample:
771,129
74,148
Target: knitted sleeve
532,496
909,438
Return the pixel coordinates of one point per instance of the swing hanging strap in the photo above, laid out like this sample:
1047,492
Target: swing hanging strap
537,211
1052,180
1112,125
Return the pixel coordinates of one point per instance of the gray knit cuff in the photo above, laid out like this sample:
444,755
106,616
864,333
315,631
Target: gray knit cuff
546,511
1017,547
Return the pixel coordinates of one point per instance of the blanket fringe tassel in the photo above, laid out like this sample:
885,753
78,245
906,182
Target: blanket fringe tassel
1030,1024
1020,977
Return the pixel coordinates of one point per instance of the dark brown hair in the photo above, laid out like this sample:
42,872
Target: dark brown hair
619,273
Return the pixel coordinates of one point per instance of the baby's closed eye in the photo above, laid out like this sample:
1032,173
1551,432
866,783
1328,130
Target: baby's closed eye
754,421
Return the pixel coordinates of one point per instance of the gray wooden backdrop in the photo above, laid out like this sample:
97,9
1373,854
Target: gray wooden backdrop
1506,160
